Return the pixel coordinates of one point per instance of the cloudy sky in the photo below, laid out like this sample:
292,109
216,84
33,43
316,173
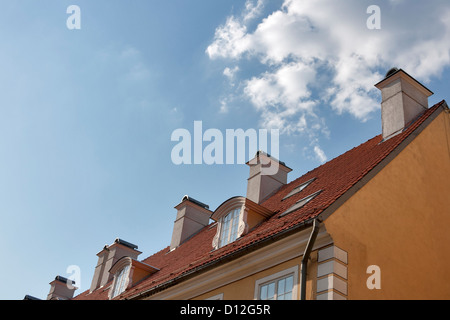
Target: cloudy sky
86,115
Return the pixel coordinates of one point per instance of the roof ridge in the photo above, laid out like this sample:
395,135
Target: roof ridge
417,121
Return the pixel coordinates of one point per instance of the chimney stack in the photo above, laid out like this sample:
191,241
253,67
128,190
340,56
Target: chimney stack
267,175
403,100
108,257
61,289
192,215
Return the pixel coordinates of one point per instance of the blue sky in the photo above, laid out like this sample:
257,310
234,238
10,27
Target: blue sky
86,115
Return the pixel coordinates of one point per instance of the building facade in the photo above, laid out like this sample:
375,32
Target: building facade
369,224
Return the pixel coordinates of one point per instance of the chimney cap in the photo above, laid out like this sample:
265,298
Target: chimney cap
263,153
395,71
125,243
64,280
391,72
201,204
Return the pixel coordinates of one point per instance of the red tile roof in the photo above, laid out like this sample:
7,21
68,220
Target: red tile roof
333,178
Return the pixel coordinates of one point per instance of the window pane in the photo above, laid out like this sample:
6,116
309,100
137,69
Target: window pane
235,224
223,233
121,280
229,229
280,290
225,230
286,293
271,291
263,293
289,284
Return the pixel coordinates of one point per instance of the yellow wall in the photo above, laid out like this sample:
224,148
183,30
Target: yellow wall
400,221
244,289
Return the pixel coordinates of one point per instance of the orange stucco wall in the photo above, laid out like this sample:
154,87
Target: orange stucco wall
244,289
400,221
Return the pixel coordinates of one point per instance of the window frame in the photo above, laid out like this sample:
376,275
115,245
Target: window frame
301,203
231,227
121,280
293,271
298,189
246,207
222,211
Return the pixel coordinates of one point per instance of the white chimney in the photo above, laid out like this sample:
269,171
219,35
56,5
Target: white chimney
106,259
61,289
263,180
403,100
192,215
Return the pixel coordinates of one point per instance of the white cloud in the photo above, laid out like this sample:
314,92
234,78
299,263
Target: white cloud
230,73
320,154
223,106
252,9
230,40
319,55
282,97
303,36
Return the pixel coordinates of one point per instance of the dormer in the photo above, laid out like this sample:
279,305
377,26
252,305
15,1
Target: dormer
235,217
127,272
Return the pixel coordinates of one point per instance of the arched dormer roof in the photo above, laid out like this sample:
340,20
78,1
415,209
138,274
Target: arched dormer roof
127,261
250,215
136,271
227,206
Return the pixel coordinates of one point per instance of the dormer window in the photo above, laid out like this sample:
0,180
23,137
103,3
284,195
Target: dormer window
127,272
121,281
229,227
235,217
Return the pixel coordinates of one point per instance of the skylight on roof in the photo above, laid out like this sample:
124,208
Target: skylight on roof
301,203
299,188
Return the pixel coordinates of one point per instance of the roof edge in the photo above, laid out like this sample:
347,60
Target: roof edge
440,106
228,257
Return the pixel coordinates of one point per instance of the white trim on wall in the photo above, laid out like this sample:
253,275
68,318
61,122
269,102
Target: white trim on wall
332,275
